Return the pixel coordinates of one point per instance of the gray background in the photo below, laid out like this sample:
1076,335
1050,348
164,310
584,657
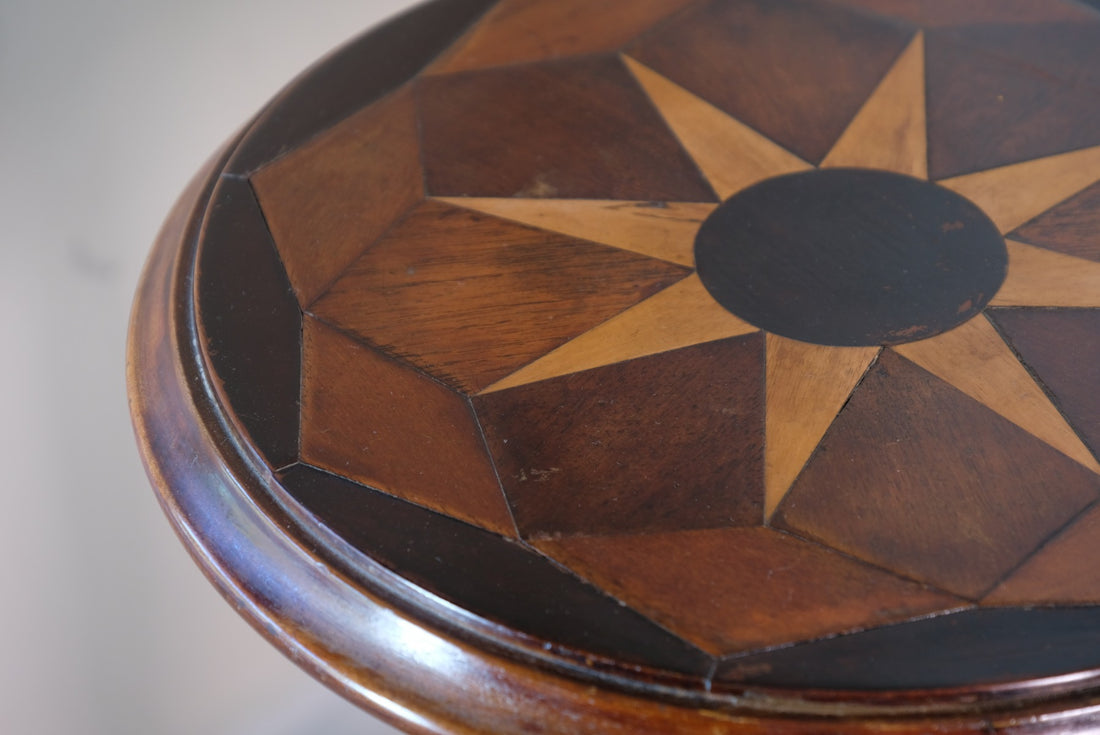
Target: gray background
106,109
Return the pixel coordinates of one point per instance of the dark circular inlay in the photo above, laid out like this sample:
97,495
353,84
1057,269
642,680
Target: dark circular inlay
851,257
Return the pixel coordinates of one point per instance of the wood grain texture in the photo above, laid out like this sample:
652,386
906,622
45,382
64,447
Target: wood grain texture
1013,195
807,385
366,417
471,298
490,576
890,131
1070,228
534,30
356,75
947,13
658,229
1064,571
902,479
567,129
802,69
737,589
671,441
987,110
1040,277
975,359
1065,52
1062,348
730,154
682,315
944,651
327,201
251,322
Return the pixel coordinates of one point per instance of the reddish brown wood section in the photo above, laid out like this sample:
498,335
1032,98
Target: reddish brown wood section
385,425
326,202
803,68
535,30
1069,228
916,477
577,128
735,589
666,442
470,298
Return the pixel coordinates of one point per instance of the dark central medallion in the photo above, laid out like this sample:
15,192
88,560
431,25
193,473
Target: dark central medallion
851,257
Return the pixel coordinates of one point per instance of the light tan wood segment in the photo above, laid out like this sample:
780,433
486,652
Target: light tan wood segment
1041,277
975,359
680,316
665,231
890,132
807,385
730,154
1013,195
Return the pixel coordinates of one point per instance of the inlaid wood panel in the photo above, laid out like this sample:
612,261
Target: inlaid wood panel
986,109
251,321
807,385
948,13
682,315
940,652
1068,52
731,590
565,129
902,480
730,154
975,359
1014,194
1069,228
1064,570
664,230
890,131
327,201
355,76
803,68
1061,348
618,448
534,30
470,298
385,425
646,337
490,576
1040,277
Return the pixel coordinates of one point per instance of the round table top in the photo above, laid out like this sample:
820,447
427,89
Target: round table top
739,358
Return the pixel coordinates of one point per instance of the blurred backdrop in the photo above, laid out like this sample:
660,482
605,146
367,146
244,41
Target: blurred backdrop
106,109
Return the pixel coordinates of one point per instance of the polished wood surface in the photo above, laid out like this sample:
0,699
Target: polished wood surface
666,366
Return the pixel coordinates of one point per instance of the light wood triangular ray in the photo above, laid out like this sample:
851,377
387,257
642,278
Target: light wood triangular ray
890,132
680,316
665,231
1041,277
1013,195
730,154
807,385
975,359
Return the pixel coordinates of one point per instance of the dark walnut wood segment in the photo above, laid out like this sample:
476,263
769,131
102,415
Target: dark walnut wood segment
314,198
564,129
672,441
250,321
903,476
1069,228
795,70
649,366
470,298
